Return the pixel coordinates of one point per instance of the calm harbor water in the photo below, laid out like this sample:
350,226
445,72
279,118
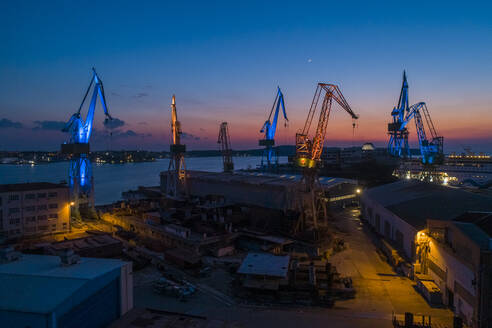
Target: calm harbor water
110,180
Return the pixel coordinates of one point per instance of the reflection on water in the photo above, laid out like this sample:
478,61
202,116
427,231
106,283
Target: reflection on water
110,180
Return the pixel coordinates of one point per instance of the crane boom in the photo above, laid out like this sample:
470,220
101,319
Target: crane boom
176,172
309,152
225,144
431,150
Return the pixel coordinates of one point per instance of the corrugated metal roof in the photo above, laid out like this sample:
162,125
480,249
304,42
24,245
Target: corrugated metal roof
30,186
415,201
265,264
38,283
474,232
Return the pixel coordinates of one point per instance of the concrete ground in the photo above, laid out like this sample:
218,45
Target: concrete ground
380,292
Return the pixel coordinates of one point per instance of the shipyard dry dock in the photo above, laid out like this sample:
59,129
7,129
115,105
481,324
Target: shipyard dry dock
263,190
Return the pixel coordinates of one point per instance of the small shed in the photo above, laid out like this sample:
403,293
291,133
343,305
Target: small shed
264,271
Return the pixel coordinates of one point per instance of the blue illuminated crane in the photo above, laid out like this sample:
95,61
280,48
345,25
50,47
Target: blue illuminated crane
80,171
398,143
269,128
430,150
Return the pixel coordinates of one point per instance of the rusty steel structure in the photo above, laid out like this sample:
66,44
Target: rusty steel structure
176,172
225,147
311,199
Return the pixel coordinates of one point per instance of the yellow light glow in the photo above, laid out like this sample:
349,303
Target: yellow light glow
358,191
72,203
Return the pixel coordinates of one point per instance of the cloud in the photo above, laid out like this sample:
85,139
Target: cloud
202,130
128,134
5,123
141,95
309,60
49,125
189,136
114,123
143,123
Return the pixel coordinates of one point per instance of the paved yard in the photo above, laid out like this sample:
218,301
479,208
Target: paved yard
379,293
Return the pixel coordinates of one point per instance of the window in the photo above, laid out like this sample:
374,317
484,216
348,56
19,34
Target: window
42,195
0,201
30,208
30,229
30,196
53,206
64,225
30,219
43,228
42,217
52,194
14,221
14,210
53,216
14,197
42,207
53,227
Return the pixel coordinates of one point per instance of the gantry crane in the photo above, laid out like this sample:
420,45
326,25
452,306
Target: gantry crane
176,172
398,143
80,171
225,145
308,153
431,149
269,128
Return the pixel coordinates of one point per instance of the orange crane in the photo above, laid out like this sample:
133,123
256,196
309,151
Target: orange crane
176,172
308,151
225,144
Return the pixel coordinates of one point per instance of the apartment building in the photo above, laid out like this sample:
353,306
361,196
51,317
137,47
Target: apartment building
33,209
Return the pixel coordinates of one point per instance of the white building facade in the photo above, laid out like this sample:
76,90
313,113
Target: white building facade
28,209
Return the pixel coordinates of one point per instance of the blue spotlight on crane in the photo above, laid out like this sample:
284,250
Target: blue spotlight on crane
269,128
80,171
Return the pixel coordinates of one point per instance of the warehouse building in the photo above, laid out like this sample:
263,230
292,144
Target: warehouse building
63,291
28,209
270,191
457,255
399,210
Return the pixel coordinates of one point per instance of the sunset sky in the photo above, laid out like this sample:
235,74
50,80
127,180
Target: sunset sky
224,60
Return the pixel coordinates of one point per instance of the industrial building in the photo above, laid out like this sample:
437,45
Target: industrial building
457,256
101,245
28,209
263,190
399,210
63,291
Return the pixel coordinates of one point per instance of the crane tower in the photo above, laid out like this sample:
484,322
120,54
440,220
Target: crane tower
311,201
176,172
80,171
225,145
